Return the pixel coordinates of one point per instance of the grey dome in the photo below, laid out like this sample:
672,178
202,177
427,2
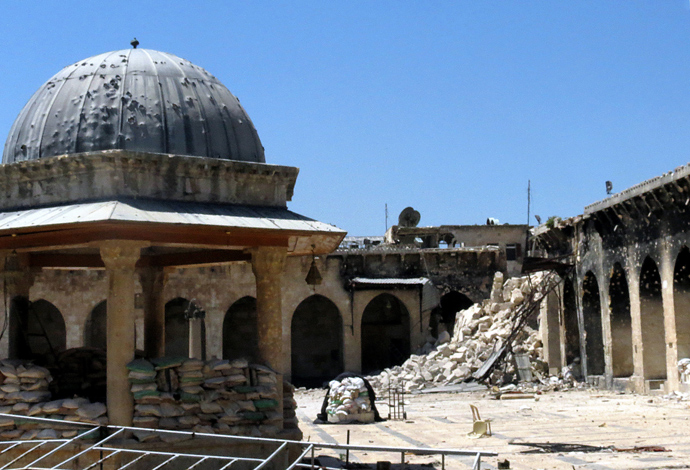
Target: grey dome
133,99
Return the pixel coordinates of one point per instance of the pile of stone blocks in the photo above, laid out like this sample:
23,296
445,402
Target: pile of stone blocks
477,331
216,396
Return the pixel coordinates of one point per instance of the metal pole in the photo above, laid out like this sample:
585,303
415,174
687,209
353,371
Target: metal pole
347,451
312,457
443,461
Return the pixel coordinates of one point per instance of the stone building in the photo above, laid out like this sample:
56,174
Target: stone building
624,306
141,153
138,163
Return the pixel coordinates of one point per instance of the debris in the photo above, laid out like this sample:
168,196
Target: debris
485,335
515,396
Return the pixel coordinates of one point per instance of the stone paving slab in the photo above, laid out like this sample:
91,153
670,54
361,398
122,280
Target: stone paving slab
585,417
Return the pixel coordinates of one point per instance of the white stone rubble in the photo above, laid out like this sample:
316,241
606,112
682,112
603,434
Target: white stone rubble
445,360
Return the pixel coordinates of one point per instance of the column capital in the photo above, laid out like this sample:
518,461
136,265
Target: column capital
266,261
121,254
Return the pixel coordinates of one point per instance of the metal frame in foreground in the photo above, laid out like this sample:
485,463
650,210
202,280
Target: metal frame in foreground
34,454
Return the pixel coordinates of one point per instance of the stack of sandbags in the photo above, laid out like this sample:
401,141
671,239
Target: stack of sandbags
68,410
145,390
217,396
477,331
23,384
290,420
349,401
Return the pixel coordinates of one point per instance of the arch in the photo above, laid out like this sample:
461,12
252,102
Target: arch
95,329
385,333
177,327
652,322
451,304
591,313
240,335
317,342
38,330
571,329
621,323
681,301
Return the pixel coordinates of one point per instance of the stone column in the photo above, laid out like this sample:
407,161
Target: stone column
550,332
120,258
196,344
153,283
267,264
18,279
666,268
633,275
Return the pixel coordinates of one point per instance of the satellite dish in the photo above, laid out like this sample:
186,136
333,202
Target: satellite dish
409,217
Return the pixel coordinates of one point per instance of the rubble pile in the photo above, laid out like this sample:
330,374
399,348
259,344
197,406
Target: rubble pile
24,391
477,331
684,370
348,401
216,396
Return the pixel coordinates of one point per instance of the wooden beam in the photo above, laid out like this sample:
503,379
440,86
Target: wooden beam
192,258
154,233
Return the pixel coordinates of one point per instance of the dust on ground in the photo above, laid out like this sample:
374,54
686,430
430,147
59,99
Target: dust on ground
591,423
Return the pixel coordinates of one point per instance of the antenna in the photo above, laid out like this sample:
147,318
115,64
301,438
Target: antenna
529,198
386,218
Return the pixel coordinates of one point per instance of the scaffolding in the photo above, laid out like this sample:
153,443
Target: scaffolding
111,447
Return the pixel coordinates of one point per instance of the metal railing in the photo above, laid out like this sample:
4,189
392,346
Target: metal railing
106,443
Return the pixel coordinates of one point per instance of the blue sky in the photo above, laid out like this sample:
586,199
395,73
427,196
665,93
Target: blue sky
449,107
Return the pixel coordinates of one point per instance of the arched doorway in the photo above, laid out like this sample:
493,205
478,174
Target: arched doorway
681,301
451,304
385,333
591,312
38,331
95,330
177,314
571,330
317,342
652,320
621,323
240,335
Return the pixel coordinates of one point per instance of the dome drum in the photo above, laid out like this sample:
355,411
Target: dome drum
115,174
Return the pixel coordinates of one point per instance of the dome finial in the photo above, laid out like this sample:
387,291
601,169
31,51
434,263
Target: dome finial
134,43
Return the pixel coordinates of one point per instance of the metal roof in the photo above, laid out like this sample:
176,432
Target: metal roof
133,99
165,212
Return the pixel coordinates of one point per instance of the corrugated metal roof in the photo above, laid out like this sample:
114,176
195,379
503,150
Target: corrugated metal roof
165,212
390,281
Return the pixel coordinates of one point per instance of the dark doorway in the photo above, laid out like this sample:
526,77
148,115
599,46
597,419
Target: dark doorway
95,330
652,319
621,323
385,333
451,304
591,312
571,330
38,331
681,301
240,335
316,338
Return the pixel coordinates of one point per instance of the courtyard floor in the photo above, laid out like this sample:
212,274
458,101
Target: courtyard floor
584,417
